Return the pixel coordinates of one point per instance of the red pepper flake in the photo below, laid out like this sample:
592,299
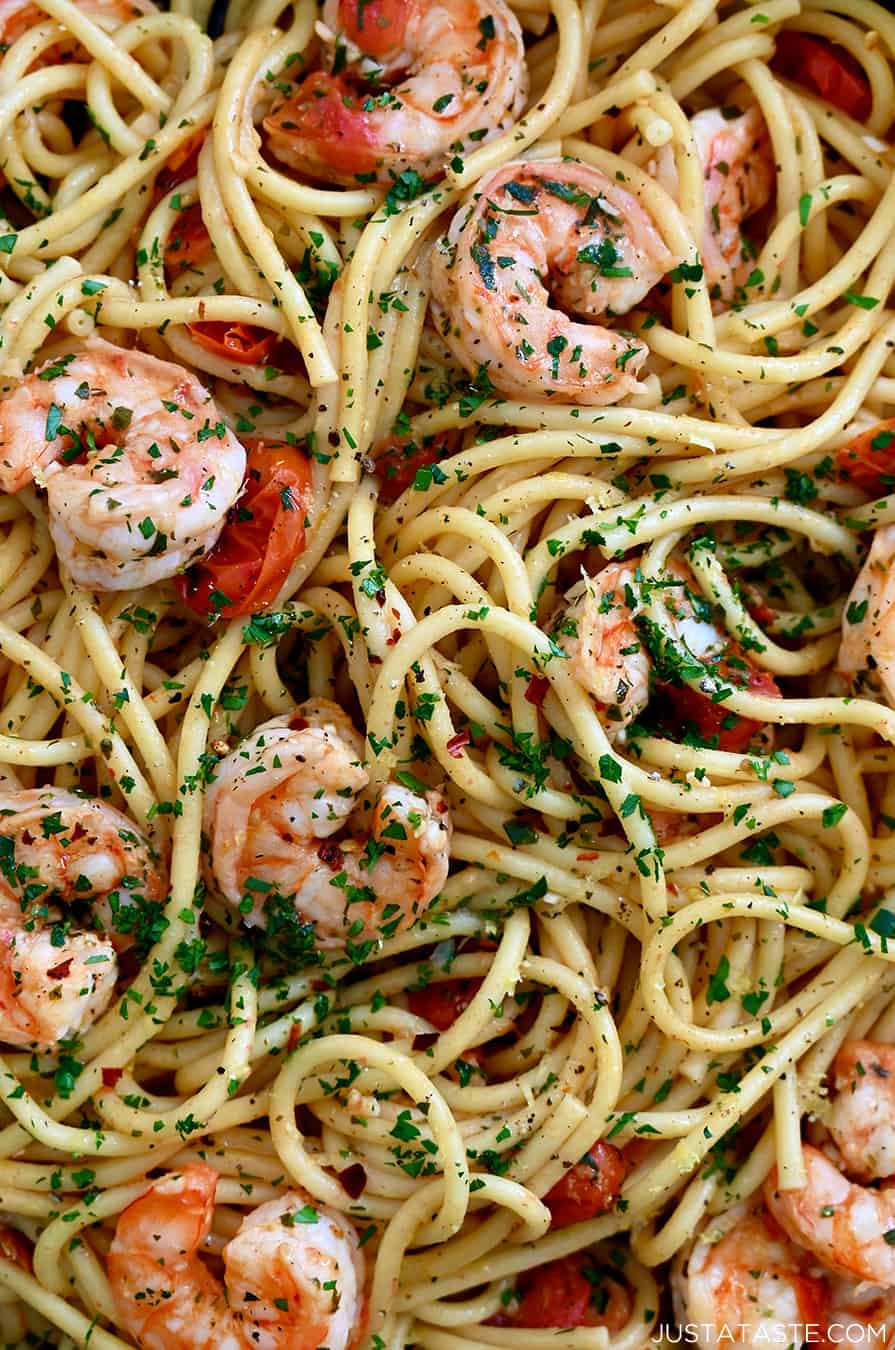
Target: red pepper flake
455,745
307,1122
294,1034
537,689
354,1180
111,1077
762,613
59,972
425,1040
586,857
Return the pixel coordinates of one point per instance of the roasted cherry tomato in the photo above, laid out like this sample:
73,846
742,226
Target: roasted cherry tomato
575,1291
827,70
189,244
868,462
443,1002
715,720
264,534
589,1188
182,164
15,1247
399,458
244,343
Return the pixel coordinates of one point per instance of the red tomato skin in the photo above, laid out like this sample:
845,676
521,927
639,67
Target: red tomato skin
867,466
443,1002
15,1247
589,1188
398,458
376,26
189,244
182,165
827,70
561,1295
326,116
251,559
692,706
242,343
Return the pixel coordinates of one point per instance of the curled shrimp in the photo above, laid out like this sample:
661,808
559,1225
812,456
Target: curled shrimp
535,232
286,818
738,167
419,81
139,469
614,656
744,1273
17,17
605,652
867,650
58,850
844,1224
862,1116
293,1274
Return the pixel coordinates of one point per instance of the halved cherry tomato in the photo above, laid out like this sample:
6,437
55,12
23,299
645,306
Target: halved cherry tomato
442,1003
244,343
264,534
398,459
589,1188
715,720
575,1291
189,244
182,164
825,69
15,1247
868,462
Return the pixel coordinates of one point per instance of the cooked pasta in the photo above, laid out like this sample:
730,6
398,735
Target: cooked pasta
447,668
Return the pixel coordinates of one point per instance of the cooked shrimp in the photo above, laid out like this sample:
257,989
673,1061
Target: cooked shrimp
867,651
738,165
862,1118
293,1274
457,74
58,850
285,816
605,652
743,1282
534,233
860,1314
845,1225
612,660
139,468
18,16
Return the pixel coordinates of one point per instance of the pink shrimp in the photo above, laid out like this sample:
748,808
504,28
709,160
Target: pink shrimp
139,468
742,1279
418,82
59,849
845,1225
534,232
738,167
293,1274
286,818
